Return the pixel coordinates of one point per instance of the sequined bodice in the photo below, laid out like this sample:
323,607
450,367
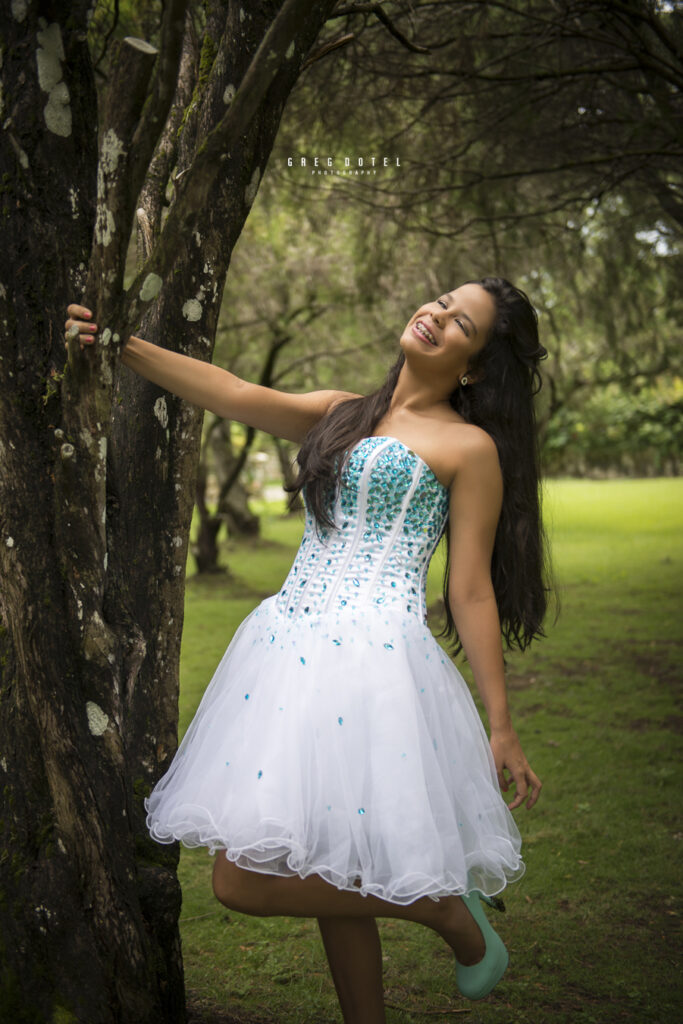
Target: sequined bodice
390,513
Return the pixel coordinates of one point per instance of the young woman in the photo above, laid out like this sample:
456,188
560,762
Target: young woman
337,762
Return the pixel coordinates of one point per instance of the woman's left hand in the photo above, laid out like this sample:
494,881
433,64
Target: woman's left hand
509,757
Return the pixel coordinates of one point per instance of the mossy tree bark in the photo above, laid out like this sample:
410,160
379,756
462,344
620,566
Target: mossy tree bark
97,469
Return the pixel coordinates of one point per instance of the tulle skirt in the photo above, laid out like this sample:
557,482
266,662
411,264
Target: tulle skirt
342,745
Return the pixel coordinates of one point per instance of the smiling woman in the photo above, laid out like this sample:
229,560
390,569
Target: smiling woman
452,308
469,360
337,762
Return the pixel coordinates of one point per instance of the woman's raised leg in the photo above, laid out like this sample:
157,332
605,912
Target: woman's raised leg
354,954
253,892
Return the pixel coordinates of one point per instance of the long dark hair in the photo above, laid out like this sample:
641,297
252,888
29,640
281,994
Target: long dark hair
499,399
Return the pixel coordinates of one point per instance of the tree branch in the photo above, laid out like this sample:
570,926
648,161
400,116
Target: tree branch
153,192
277,46
381,15
162,90
131,66
326,48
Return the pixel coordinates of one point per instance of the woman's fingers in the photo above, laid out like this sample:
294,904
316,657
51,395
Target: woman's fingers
74,310
527,784
536,785
521,787
509,758
86,331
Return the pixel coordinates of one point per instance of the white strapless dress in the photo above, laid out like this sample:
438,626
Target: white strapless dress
336,737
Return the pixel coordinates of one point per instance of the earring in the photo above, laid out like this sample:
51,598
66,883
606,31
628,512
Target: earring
463,381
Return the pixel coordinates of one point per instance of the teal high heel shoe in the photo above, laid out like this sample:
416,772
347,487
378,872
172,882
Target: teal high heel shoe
476,980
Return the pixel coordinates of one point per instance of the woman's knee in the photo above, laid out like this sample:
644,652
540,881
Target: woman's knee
237,888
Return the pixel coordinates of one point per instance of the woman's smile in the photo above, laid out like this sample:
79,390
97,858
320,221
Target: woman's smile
423,332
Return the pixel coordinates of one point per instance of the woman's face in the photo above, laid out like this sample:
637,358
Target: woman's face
446,333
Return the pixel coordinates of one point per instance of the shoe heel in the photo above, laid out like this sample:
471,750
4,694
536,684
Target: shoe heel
475,981
495,902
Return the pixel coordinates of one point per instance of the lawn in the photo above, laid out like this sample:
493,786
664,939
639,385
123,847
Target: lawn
593,928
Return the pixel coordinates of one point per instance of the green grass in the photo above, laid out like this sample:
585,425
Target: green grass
593,928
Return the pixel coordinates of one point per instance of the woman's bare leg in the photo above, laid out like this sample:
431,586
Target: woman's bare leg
354,954
252,892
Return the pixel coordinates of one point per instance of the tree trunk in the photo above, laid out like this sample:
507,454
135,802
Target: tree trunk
240,520
205,547
97,473
233,504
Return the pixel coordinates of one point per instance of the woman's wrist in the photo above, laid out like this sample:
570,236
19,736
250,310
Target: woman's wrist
128,348
501,722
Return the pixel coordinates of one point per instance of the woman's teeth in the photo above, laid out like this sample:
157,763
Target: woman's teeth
425,333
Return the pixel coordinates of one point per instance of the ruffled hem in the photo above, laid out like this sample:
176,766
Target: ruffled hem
270,856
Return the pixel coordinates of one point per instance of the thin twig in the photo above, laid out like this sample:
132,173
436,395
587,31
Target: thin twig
334,44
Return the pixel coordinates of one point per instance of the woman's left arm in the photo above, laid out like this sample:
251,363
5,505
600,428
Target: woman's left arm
476,496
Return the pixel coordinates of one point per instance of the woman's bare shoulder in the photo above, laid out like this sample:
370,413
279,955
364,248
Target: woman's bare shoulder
468,447
470,437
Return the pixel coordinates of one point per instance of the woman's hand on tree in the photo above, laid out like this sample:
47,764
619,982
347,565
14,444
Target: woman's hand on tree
79,317
509,757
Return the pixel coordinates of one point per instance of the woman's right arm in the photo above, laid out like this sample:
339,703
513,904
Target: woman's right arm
276,412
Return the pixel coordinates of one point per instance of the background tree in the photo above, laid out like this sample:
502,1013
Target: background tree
492,177
509,111
290,319
541,141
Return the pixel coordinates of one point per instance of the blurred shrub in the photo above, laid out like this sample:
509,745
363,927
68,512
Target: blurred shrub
618,433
